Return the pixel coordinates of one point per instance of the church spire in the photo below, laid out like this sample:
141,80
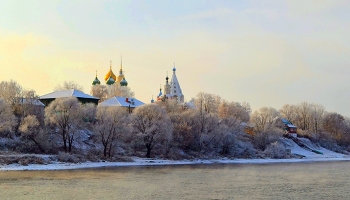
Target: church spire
121,62
96,81
110,72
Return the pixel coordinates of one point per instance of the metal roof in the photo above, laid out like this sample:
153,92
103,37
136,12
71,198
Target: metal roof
67,93
122,101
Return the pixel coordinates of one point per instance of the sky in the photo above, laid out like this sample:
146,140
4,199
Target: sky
266,53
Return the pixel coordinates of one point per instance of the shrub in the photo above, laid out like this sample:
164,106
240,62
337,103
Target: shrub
276,150
73,158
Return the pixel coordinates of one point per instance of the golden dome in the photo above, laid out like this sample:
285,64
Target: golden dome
121,76
110,74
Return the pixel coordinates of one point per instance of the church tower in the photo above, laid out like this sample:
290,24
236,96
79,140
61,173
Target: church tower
110,76
175,89
121,75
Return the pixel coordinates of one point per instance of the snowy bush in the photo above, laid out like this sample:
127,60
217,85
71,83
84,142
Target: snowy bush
276,150
73,158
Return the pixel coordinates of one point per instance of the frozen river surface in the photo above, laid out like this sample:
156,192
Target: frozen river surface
321,180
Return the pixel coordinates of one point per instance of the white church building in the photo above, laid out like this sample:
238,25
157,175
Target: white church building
172,90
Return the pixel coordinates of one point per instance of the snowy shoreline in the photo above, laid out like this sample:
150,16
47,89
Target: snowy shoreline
308,156
157,162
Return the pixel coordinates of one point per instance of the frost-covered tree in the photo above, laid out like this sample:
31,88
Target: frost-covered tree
317,114
121,91
267,124
68,85
7,119
99,91
303,115
11,92
289,112
333,123
183,123
151,125
170,105
111,122
235,110
64,113
29,128
207,103
265,119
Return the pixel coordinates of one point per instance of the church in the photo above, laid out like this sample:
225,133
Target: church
172,90
111,78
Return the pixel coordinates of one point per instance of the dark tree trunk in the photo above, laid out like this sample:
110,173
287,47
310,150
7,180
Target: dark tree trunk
110,150
38,145
104,150
148,154
64,140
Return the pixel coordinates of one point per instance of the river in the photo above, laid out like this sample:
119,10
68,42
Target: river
319,180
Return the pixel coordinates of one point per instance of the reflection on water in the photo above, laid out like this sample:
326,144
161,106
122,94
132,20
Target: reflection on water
325,180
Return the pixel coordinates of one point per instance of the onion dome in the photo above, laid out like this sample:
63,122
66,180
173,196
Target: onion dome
96,81
123,82
174,69
110,81
152,101
110,73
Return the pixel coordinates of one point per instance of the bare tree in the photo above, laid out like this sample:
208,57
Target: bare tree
207,103
170,105
64,114
289,112
304,115
11,92
111,122
121,91
333,123
152,125
29,128
68,85
265,119
183,124
317,114
7,119
266,125
100,91
236,110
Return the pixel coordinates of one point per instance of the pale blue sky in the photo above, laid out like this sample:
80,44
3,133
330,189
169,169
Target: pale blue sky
267,53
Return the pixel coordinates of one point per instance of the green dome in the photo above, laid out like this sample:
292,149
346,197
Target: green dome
110,81
123,82
96,81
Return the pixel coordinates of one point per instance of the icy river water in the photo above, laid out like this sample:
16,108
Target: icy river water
320,180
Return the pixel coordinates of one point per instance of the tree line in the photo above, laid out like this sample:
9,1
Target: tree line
206,127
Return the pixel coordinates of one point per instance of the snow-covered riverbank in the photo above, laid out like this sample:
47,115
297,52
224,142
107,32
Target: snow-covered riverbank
308,156
154,162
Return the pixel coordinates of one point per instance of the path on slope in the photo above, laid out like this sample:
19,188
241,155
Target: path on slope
296,149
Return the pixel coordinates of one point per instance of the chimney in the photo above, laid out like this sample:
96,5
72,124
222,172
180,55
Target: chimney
127,99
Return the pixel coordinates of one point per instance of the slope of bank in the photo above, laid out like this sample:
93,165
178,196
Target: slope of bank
305,153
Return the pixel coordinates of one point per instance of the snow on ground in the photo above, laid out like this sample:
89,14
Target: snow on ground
309,157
